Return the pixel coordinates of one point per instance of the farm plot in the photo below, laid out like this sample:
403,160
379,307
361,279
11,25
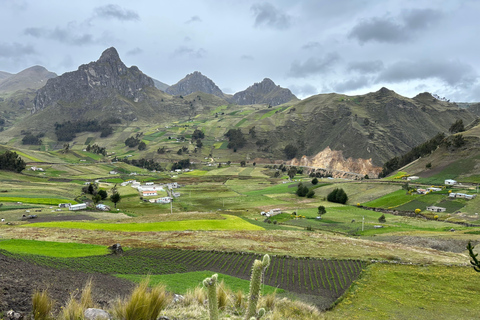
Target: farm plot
327,279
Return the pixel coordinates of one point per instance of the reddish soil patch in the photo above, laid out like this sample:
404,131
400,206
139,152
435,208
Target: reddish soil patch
19,279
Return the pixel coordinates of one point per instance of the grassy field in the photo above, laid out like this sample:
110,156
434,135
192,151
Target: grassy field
387,291
229,223
181,282
52,249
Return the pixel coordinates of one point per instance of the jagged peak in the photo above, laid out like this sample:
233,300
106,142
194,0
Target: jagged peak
423,95
385,91
109,54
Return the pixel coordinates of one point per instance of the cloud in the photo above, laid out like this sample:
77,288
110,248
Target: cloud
365,66
247,57
269,16
303,90
134,51
394,29
313,66
193,19
452,72
351,84
113,11
311,46
15,50
64,35
189,52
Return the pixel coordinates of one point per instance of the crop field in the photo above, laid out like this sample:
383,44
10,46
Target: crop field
51,249
36,200
327,279
392,200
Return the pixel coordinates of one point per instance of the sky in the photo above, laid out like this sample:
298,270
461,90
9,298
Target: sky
309,46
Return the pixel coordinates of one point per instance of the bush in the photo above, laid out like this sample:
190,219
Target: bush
310,194
382,219
302,190
417,211
314,181
338,195
42,305
321,210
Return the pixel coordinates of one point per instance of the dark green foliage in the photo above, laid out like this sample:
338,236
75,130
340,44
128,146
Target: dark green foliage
236,139
161,150
106,131
198,134
132,142
458,141
406,186
302,190
182,164
457,126
97,149
31,139
292,172
252,132
290,151
11,161
382,219
475,263
321,210
242,163
428,165
142,146
148,164
115,198
314,181
66,131
310,194
338,195
103,194
417,152
199,143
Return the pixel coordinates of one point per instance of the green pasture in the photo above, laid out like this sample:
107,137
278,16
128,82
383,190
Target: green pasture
395,291
52,249
36,200
181,282
229,223
392,200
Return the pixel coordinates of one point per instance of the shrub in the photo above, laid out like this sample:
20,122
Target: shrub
314,181
321,210
302,190
310,194
338,195
382,219
417,211
435,217
42,305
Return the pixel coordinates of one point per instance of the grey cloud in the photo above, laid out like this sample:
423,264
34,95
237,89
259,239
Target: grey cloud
311,46
189,52
194,19
61,35
365,66
247,57
395,29
134,51
351,84
452,72
15,50
303,90
113,11
267,15
313,66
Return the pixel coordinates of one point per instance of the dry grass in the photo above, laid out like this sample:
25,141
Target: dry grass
143,304
196,296
287,309
86,300
72,311
42,305
223,295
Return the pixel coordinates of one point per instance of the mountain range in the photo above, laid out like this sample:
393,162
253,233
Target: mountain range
373,127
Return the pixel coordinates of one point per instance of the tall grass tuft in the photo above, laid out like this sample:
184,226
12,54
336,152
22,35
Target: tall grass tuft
196,296
42,305
239,300
223,293
143,304
268,301
86,299
73,310
287,309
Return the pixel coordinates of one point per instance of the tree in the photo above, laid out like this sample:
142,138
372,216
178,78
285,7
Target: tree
310,193
292,172
338,195
96,199
242,163
142,146
103,194
290,151
198,134
321,210
457,126
302,190
252,132
115,198
382,219
428,165
199,143
314,181
11,161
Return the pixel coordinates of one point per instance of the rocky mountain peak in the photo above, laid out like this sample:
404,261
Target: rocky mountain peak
265,92
194,82
103,79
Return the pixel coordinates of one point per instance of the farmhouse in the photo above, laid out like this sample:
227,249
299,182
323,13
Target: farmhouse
64,205
421,191
274,212
149,193
164,200
172,185
413,178
102,207
80,206
113,172
434,189
450,182
462,195
436,209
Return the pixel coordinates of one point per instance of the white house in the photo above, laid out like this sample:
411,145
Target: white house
149,193
172,185
149,183
434,189
413,178
113,172
64,205
274,212
164,200
103,207
436,209
450,182
75,207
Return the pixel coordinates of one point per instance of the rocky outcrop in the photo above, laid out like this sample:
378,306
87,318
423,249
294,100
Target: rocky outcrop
334,162
32,78
101,80
194,82
265,92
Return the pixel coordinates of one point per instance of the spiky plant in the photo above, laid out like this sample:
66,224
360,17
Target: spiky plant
255,285
475,263
211,285
42,305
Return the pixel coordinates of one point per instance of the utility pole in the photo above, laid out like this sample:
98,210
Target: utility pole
363,222
171,206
